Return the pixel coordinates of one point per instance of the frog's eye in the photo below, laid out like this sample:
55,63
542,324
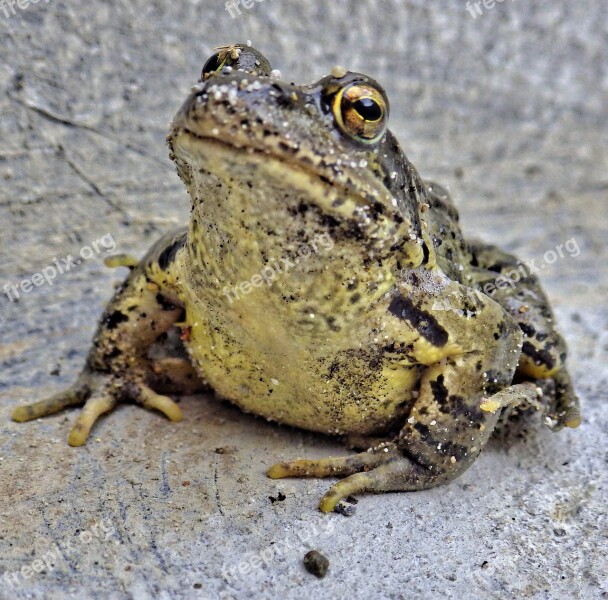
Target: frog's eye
215,63
361,111
239,57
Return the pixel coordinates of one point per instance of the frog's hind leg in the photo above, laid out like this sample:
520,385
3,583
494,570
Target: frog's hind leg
73,396
509,282
170,368
388,467
335,466
448,427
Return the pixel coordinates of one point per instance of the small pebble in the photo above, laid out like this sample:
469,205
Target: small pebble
279,498
316,563
347,510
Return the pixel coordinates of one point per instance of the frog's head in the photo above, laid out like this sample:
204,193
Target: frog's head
323,147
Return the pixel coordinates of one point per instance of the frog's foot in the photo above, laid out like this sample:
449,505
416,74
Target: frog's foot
562,408
380,469
99,392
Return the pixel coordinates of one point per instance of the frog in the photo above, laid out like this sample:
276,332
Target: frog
323,284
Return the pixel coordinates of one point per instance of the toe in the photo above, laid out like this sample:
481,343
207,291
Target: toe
399,474
334,465
92,410
49,406
153,401
355,484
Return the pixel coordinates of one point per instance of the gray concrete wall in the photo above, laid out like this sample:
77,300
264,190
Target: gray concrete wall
508,109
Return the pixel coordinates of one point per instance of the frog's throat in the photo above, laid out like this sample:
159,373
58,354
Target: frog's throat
382,225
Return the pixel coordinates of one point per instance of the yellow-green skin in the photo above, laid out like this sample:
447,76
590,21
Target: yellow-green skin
322,284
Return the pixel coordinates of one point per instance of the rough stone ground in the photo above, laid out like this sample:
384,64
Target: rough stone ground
509,109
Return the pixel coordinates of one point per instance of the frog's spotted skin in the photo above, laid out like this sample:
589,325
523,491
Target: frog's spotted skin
380,333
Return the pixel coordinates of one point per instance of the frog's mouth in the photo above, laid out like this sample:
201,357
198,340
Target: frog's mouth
204,159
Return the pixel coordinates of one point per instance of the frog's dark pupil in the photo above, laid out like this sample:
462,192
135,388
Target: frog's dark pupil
212,65
368,109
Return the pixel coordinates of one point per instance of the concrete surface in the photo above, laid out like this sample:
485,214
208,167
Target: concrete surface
509,109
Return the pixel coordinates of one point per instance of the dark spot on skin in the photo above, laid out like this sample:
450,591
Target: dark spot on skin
540,357
541,337
440,392
377,209
168,254
457,406
114,353
527,329
423,430
113,320
448,448
502,330
498,267
425,253
331,323
415,458
286,147
458,451
164,303
423,322
355,298
495,382
330,222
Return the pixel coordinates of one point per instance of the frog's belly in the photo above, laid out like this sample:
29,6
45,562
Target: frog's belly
300,378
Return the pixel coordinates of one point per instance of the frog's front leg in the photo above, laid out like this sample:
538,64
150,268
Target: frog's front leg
145,307
543,357
464,387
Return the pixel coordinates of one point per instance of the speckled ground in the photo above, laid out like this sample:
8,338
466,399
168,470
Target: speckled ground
508,108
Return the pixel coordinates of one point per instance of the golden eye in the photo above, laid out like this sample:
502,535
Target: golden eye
361,111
